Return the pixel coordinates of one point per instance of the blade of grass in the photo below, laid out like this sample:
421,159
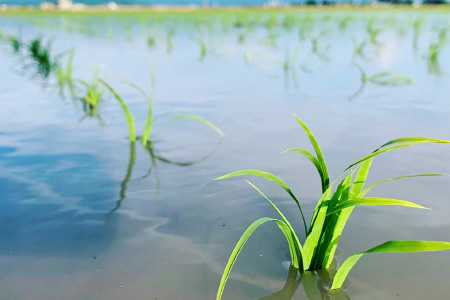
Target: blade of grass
387,247
125,109
237,249
311,158
397,146
373,201
199,119
367,189
318,151
148,123
342,219
415,139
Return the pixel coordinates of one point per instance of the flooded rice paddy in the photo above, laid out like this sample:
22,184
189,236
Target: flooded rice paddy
88,215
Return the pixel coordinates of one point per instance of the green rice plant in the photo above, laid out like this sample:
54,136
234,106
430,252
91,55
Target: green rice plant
129,116
64,76
16,43
332,211
434,51
93,96
373,31
40,54
203,50
151,41
289,67
417,29
150,120
169,37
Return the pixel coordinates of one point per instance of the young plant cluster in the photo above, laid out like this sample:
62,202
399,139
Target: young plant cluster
332,211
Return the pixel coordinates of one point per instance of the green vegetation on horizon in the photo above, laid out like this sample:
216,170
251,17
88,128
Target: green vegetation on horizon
332,211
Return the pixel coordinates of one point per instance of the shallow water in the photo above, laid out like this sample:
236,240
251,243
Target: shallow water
66,235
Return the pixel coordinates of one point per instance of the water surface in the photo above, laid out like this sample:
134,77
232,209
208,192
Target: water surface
68,232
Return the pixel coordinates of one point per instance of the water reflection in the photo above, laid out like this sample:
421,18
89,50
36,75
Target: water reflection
316,285
155,157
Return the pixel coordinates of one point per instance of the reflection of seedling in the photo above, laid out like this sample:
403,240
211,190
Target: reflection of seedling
332,212
289,65
381,78
315,284
146,140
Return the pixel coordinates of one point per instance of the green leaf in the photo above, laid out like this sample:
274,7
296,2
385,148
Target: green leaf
373,201
199,119
344,215
237,249
415,139
148,123
315,230
361,177
311,158
388,247
367,189
387,149
271,177
125,109
298,248
318,151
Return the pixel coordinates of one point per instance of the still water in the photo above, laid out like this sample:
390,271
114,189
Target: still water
85,215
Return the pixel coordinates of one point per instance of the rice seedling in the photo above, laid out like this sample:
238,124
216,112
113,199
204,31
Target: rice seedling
169,37
146,136
151,41
417,29
332,211
64,76
40,54
16,43
203,50
93,96
373,32
289,63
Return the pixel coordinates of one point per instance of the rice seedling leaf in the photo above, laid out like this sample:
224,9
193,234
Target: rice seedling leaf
373,201
237,249
199,119
367,189
148,123
315,230
311,158
125,109
318,151
409,139
394,146
387,247
343,216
